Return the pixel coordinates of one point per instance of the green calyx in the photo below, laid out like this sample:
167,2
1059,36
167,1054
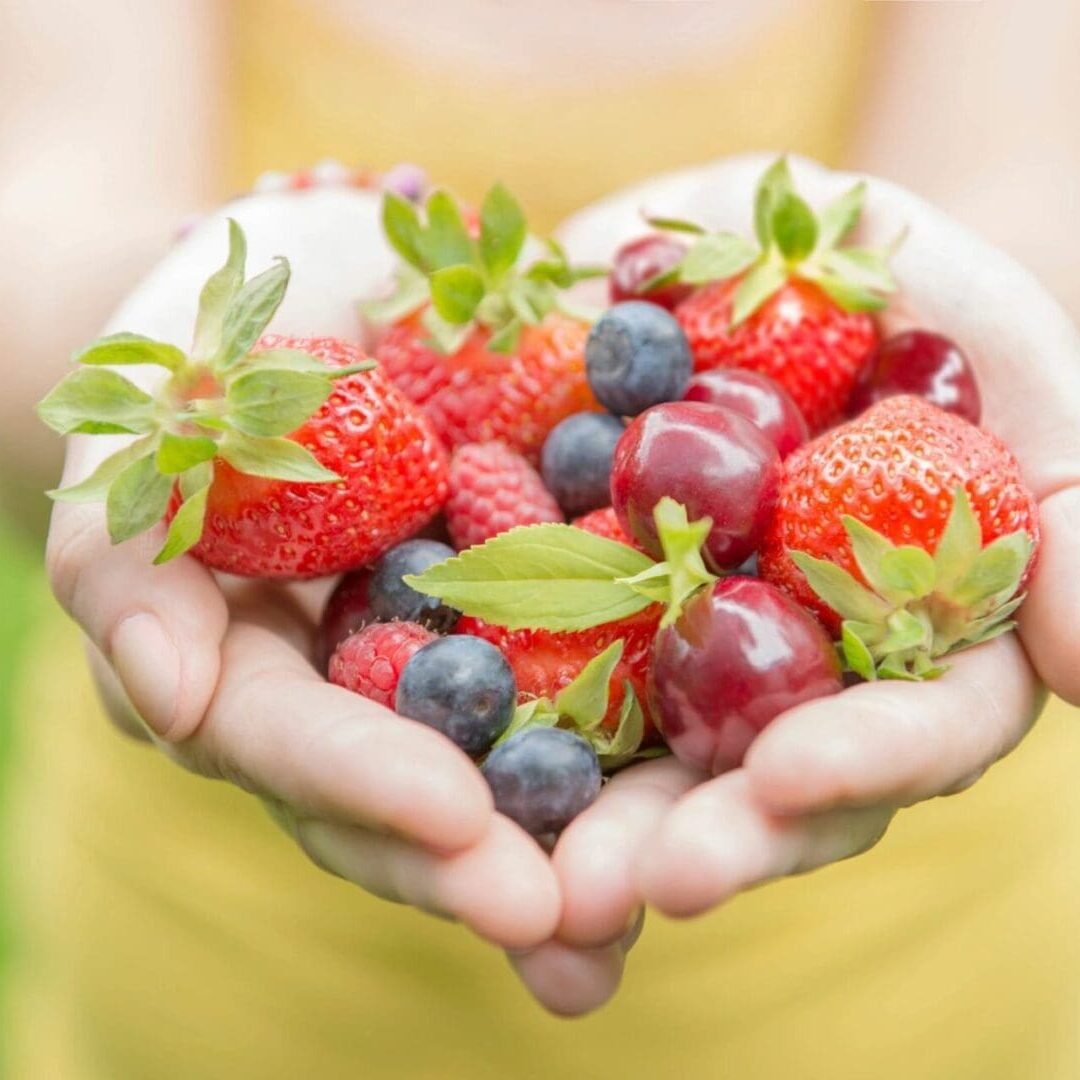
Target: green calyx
916,608
220,401
581,707
792,242
561,578
463,282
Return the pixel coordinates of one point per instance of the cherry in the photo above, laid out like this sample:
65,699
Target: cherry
710,459
639,261
741,653
763,401
347,611
923,363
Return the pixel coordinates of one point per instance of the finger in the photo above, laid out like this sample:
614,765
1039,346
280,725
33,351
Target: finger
718,841
897,742
502,887
276,728
594,858
159,626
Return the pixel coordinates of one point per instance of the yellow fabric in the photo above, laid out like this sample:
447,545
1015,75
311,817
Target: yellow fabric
166,929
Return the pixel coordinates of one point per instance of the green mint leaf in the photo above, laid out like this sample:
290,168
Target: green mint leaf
773,185
763,281
178,453
585,700
401,226
863,267
856,655
670,224
137,500
186,527
960,542
552,577
121,349
624,744
446,337
505,340
840,216
502,231
95,487
274,402
837,588
250,312
275,459
218,293
97,401
410,293
714,258
794,227
445,241
455,292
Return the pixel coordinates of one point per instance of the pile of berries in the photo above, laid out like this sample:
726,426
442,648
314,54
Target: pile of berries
765,500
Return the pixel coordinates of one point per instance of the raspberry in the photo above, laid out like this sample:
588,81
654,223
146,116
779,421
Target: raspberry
370,662
492,489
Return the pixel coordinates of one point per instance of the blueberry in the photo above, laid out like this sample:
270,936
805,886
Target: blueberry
542,778
576,461
390,598
637,356
461,686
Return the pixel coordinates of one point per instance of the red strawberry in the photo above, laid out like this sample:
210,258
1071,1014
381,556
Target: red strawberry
269,456
370,661
799,337
605,522
492,489
906,473
485,346
795,307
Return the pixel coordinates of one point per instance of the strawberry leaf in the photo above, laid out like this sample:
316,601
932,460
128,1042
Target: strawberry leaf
250,313
670,224
401,226
122,349
186,527
774,184
445,241
794,228
276,459
763,281
585,700
137,500
178,453
624,744
837,588
95,487
505,340
97,401
218,293
960,542
274,402
713,258
502,231
295,360
840,216
455,292
411,292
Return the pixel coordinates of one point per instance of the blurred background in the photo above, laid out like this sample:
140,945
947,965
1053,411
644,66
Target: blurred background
120,118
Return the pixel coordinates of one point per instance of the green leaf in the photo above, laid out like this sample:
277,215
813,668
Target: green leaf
187,524
274,402
626,741
870,548
96,486
445,241
863,267
218,293
794,227
411,292
553,577
840,216
505,340
445,337
996,571
502,231
295,360
122,349
906,631
773,185
585,700
529,301
762,282
401,226
856,655
909,570
851,296
178,453
250,312
539,712
716,257
960,542
277,459
837,588
670,224
455,292
137,500
97,401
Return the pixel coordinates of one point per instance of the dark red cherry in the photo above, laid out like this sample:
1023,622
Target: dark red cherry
740,654
763,401
710,459
923,363
638,262
347,610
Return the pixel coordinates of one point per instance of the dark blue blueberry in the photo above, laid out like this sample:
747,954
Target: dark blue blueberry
576,461
461,686
750,567
390,598
637,356
542,778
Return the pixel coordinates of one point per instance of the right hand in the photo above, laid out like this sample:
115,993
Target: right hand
218,671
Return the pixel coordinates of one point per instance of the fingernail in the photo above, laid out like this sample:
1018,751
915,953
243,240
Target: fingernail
148,664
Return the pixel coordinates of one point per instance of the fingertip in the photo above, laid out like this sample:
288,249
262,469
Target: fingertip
570,982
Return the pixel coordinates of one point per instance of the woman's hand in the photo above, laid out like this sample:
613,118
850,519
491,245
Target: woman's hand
218,670
823,781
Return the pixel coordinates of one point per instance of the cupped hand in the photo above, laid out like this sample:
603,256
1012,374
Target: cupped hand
824,780
219,670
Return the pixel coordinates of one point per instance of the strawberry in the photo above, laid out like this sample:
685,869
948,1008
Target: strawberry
370,662
908,530
605,522
269,456
489,350
493,489
794,308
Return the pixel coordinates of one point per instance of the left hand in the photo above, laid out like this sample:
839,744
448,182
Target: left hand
824,780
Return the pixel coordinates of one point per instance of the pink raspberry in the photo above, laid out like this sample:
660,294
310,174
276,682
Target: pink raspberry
370,661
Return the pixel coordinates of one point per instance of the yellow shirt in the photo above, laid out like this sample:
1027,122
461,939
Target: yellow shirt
167,929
